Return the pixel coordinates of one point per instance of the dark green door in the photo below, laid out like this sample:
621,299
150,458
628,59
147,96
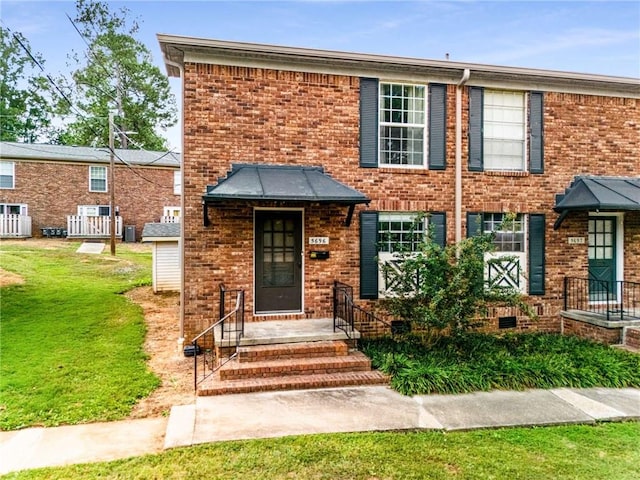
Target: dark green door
278,261
602,258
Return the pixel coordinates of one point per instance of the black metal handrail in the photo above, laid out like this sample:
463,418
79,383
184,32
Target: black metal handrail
617,301
346,314
213,353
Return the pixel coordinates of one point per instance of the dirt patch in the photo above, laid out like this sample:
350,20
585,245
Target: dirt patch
9,278
161,313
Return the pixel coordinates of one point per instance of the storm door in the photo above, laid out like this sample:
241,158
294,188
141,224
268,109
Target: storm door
278,261
602,259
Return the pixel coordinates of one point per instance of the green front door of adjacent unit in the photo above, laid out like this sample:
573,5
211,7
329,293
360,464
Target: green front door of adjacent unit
278,261
602,258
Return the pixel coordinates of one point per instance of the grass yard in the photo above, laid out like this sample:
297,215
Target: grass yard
567,452
72,345
481,362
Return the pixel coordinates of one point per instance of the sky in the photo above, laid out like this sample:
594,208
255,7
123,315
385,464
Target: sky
601,37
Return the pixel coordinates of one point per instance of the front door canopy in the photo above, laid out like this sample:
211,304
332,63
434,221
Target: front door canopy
587,193
288,183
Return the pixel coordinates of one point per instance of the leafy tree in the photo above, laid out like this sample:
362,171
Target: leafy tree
443,289
25,112
117,73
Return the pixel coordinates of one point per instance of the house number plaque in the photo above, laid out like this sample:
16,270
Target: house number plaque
318,240
575,240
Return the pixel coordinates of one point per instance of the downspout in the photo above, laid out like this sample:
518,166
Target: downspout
458,180
181,244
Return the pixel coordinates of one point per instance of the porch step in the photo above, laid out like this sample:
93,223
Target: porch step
290,366
354,362
292,382
288,351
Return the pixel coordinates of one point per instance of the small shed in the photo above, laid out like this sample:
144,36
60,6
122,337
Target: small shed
165,241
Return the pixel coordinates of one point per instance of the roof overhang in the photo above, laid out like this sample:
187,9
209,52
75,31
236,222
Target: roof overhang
587,193
281,183
178,50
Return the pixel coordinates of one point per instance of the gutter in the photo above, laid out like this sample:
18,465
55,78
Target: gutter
182,210
458,179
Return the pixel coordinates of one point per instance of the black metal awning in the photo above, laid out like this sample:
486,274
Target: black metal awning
598,194
285,183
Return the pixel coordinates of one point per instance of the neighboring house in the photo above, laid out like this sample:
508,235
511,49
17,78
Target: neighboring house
289,152
54,190
164,239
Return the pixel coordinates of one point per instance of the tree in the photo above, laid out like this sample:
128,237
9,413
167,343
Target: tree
25,112
117,74
442,290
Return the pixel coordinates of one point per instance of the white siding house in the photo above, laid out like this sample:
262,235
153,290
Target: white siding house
165,241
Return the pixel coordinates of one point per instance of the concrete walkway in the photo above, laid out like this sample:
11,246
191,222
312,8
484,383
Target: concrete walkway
276,414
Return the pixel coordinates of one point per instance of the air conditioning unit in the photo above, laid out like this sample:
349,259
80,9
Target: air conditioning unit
130,233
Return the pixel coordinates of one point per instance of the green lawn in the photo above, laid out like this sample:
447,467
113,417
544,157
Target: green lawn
604,451
480,362
72,345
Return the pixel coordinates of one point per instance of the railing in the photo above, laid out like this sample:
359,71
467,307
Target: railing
346,314
92,226
219,343
169,219
14,225
617,301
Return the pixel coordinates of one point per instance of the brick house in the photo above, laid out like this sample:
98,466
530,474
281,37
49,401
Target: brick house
65,190
303,166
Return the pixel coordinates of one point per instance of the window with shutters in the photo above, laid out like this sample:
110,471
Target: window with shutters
402,126
504,128
506,266
97,179
7,175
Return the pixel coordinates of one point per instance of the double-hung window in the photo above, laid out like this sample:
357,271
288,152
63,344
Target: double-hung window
7,175
402,124
97,179
504,130
506,266
398,233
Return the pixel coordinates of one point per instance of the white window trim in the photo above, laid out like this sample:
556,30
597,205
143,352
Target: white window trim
384,257
106,179
177,185
526,128
24,208
13,175
619,245
523,256
424,126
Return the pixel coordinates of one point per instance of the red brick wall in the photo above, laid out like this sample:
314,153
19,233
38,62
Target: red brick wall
238,114
53,190
608,336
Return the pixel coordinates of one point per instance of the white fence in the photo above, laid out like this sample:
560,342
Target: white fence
169,219
84,226
15,225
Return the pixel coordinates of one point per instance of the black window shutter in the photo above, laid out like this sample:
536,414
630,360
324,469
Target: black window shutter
369,122
368,255
476,99
536,126
474,224
437,126
536,254
438,221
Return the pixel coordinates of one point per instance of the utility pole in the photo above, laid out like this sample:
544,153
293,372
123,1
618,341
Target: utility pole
112,185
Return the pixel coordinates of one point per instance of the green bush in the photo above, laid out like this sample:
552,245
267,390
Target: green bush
443,289
480,362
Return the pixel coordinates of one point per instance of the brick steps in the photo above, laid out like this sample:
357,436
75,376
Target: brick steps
292,382
292,350
292,366
355,362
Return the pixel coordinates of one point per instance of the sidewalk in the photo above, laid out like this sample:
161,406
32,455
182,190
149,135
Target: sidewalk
276,414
